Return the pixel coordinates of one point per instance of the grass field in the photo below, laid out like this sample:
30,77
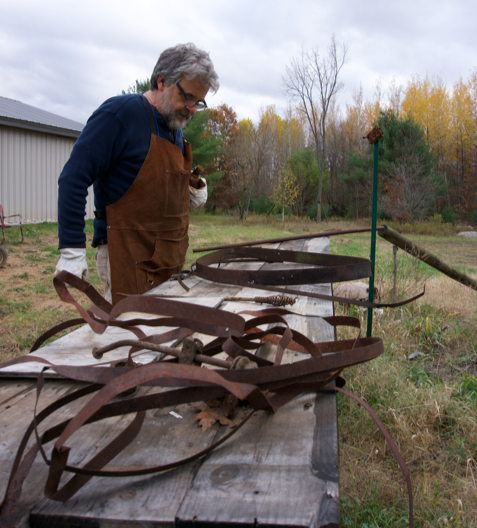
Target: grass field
429,404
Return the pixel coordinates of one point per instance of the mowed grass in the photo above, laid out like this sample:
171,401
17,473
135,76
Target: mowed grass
429,403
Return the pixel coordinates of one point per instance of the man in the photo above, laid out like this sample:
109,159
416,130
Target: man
133,152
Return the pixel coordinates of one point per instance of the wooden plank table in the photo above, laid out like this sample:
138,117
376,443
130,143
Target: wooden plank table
279,469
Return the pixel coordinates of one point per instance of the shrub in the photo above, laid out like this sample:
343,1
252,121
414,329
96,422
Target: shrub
260,205
425,228
311,212
436,218
448,216
381,213
326,211
473,217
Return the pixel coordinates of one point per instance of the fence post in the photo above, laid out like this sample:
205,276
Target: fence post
373,137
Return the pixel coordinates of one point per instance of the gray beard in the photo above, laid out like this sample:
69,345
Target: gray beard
170,116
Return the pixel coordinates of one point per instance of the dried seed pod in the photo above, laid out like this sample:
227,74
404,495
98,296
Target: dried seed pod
277,300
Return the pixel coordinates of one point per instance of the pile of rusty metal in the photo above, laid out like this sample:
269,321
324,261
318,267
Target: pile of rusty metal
262,384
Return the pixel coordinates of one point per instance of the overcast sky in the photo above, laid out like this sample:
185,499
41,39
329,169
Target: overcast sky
68,57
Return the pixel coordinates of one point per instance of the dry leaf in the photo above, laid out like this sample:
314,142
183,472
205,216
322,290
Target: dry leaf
228,404
207,417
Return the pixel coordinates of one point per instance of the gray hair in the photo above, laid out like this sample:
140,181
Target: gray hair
185,60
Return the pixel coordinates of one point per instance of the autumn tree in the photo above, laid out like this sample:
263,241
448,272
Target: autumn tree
222,124
472,134
427,101
241,155
287,136
270,152
343,138
290,135
356,123
312,79
255,158
462,162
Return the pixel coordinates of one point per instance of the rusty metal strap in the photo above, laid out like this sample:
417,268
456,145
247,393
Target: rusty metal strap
332,268
326,269
55,330
265,388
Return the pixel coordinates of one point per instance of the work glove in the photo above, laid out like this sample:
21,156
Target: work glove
198,197
74,261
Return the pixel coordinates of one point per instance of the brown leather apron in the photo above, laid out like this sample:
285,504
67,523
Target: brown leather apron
147,227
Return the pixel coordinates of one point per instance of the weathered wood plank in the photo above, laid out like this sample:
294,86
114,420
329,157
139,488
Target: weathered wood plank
269,475
283,468
11,391
14,419
145,501
317,245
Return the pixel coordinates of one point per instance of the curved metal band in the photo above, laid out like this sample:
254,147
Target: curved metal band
325,268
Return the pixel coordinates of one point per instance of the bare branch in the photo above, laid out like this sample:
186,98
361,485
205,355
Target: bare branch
312,79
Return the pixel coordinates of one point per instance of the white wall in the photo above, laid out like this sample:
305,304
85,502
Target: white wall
30,163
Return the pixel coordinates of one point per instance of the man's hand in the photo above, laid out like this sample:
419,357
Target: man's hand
74,261
198,197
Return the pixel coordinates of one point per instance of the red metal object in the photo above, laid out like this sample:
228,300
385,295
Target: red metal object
6,225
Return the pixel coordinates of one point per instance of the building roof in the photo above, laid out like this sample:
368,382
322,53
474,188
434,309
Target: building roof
20,115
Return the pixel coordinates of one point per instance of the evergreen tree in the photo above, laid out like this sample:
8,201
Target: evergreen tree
205,147
139,87
411,183
304,167
357,184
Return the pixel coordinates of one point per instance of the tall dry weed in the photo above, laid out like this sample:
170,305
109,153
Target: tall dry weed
450,296
427,423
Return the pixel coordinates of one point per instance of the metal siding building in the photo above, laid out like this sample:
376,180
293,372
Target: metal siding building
34,146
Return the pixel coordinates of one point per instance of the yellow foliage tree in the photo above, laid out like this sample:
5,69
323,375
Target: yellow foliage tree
285,189
462,151
429,103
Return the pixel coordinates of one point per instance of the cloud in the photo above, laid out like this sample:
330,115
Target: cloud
69,57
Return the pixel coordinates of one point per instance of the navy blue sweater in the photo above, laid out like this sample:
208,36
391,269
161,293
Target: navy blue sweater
108,155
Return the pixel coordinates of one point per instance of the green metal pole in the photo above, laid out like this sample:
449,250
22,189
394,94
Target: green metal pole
373,235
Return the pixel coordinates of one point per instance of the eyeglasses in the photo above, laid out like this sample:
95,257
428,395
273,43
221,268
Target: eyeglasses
189,102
